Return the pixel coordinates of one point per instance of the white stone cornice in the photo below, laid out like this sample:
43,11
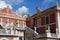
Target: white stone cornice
7,16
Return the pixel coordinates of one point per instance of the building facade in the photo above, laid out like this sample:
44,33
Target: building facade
45,25
11,25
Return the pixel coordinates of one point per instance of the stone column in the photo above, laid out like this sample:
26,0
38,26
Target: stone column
24,24
58,21
18,23
35,29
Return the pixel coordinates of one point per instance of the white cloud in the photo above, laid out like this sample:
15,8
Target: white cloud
3,4
13,2
22,10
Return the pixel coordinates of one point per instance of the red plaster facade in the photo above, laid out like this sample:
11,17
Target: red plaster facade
41,28
8,14
10,19
45,20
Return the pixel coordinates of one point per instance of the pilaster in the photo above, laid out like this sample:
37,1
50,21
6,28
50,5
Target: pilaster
58,22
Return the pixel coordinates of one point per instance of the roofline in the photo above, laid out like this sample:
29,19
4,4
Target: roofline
49,8
45,10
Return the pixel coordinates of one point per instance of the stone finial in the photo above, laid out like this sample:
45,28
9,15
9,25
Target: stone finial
38,9
57,4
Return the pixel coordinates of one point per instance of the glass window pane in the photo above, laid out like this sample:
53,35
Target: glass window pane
47,20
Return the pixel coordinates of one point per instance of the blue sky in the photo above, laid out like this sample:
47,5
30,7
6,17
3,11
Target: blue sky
29,6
